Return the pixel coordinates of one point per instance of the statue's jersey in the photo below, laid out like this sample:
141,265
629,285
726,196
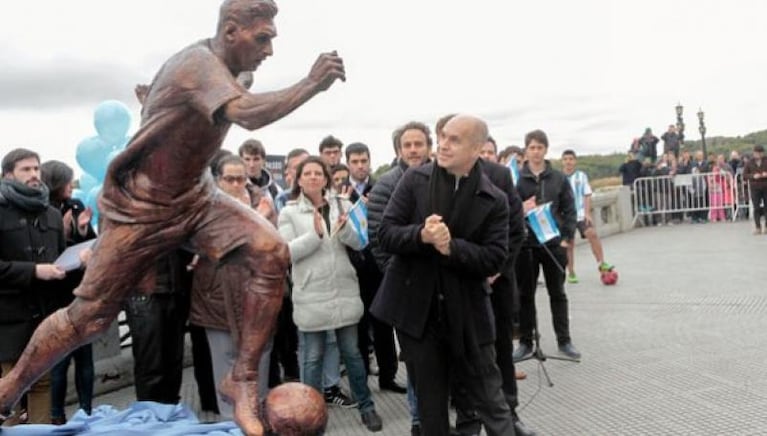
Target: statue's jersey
162,171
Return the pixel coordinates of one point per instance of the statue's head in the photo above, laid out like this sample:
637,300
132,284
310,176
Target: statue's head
245,31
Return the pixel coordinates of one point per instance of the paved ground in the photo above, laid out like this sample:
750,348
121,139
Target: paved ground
677,347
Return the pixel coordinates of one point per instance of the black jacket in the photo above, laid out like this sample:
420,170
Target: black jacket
64,295
751,169
408,289
377,200
26,239
550,186
500,176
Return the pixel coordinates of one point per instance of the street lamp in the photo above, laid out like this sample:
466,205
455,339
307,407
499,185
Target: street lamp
680,123
702,130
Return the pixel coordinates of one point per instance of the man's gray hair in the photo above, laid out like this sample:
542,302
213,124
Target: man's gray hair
245,12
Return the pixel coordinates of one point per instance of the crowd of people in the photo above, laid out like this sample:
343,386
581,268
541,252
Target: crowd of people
716,186
276,285
344,301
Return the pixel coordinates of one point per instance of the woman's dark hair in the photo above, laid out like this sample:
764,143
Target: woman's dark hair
339,167
56,175
300,169
220,154
230,159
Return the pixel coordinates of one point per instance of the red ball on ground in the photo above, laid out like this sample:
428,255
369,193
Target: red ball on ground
609,277
295,409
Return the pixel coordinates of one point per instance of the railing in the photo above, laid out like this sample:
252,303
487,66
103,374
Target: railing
611,210
716,195
742,196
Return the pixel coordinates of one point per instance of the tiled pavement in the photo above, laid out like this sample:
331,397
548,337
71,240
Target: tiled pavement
677,347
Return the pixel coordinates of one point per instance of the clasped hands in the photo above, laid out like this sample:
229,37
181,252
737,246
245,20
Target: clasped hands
319,223
436,233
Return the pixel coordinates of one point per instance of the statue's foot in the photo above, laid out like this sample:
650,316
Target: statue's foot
5,415
6,406
243,395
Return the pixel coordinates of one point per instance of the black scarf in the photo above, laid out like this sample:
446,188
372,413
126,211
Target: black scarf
28,199
454,206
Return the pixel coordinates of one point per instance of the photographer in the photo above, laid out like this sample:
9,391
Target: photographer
58,177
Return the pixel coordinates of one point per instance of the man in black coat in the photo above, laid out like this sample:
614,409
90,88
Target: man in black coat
505,295
412,143
31,238
505,301
447,227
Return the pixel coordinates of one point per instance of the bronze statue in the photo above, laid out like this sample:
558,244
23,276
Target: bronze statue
157,196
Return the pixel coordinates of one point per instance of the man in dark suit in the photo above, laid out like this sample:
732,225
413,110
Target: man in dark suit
447,227
505,295
505,302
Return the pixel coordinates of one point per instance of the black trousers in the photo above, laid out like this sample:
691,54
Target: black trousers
531,259
431,369
285,346
759,198
157,324
372,332
203,369
505,301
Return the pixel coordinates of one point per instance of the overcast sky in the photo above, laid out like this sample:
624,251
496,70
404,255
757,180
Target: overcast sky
592,73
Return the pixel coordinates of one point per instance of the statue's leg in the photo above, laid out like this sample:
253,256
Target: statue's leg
258,259
123,253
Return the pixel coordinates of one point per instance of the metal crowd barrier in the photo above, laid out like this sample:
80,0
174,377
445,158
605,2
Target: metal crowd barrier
701,196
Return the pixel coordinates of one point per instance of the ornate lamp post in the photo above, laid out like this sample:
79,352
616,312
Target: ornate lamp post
702,130
680,123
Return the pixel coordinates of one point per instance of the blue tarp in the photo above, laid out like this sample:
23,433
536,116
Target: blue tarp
141,418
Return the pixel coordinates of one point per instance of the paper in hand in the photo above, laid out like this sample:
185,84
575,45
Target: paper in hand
69,260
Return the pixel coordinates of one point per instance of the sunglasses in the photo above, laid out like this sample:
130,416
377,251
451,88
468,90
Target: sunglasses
234,179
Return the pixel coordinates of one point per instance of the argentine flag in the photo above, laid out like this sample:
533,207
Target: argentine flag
542,223
358,218
513,168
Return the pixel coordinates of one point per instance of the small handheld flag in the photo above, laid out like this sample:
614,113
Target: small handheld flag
514,169
542,223
358,217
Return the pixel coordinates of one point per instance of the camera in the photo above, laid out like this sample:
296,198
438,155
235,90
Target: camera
73,204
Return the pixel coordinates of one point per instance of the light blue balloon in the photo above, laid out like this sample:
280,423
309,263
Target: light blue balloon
122,143
79,194
112,120
92,154
91,200
87,182
112,155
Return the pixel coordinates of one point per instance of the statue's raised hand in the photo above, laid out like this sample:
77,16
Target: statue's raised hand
327,69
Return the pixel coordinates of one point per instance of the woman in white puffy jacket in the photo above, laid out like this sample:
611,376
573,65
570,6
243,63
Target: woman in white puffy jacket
326,295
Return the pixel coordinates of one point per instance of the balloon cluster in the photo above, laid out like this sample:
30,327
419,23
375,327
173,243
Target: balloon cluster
112,120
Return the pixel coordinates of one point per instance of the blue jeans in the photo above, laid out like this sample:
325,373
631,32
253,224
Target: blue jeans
412,402
331,364
313,351
84,375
